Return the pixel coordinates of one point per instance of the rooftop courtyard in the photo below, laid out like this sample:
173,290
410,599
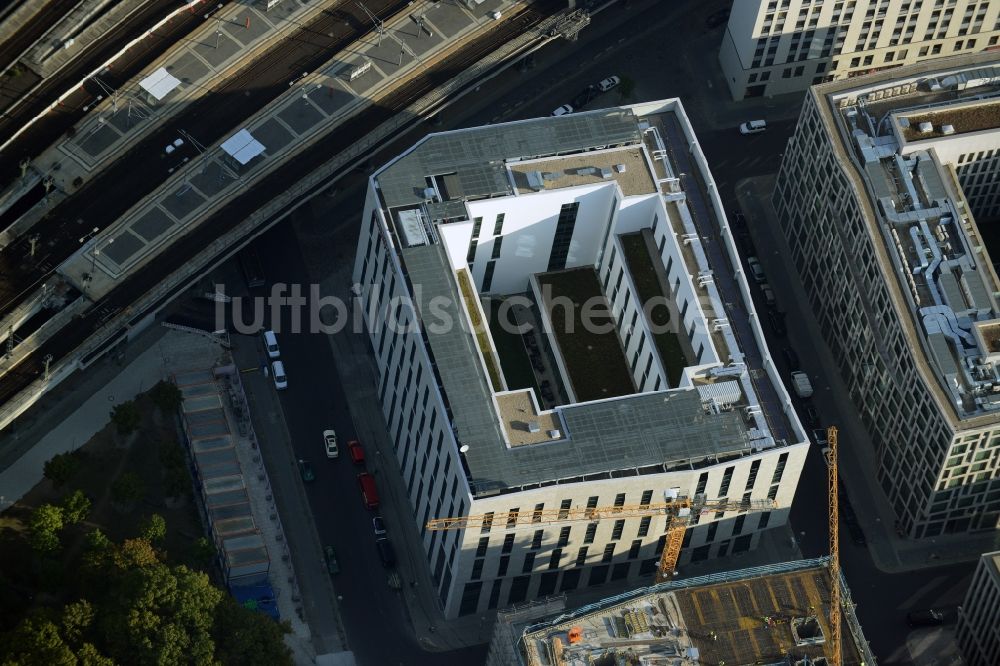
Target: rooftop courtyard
592,353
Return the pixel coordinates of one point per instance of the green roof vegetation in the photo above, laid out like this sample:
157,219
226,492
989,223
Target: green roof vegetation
640,266
471,299
510,349
594,360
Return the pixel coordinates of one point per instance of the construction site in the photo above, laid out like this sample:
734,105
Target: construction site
778,614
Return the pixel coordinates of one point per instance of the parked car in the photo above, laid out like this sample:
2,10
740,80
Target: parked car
270,343
386,552
279,376
777,321
609,83
331,560
756,270
819,436
306,470
753,127
563,110
769,299
925,618
369,492
330,443
378,525
356,452
811,416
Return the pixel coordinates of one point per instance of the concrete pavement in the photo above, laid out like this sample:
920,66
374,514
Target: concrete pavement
857,460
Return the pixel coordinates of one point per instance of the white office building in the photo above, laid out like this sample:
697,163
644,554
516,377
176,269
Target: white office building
544,224
779,46
978,629
871,202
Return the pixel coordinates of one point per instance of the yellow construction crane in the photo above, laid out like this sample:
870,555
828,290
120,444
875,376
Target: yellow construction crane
833,499
678,512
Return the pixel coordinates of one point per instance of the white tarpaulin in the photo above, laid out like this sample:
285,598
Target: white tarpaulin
159,83
242,146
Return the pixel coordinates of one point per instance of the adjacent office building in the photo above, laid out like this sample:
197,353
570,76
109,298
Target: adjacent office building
870,198
777,614
503,272
779,46
978,630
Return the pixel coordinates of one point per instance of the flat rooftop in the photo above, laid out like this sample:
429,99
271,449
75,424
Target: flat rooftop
594,359
523,422
946,282
626,166
776,614
963,119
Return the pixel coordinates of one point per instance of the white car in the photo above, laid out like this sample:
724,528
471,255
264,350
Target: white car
753,127
278,372
609,83
270,343
330,442
563,110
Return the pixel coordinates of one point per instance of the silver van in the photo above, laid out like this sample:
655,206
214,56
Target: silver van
270,343
753,127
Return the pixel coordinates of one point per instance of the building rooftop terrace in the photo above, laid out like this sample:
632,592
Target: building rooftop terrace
626,166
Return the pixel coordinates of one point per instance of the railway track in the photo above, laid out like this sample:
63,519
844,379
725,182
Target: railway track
253,198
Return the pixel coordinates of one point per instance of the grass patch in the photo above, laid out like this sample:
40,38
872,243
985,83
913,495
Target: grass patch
471,299
640,266
593,354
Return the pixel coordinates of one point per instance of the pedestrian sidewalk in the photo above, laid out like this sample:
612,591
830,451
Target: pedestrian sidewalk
890,553
65,419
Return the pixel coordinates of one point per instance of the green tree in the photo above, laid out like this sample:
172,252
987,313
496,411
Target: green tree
203,550
126,417
127,489
154,529
76,620
167,397
76,507
61,467
88,655
246,637
36,640
44,526
97,546
134,554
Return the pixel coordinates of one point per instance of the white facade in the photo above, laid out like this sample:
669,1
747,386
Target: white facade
587,215
859,231
978,630
772,47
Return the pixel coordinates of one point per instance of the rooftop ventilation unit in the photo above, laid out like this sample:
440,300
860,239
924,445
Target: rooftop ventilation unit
606,173
621,168
533,426
554,434
926,127
947,129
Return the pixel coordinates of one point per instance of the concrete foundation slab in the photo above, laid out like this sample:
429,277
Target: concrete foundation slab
386,57
273,134
127,118
151,225
182,201
258,26
212,180
188,68
126,244
227,48
448,19
301,115
421,43
98,141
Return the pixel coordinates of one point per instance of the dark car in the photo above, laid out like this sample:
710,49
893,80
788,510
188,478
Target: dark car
331,560
386,552
811,416
777,321
925,618
589,93
791,358
819,436
306,470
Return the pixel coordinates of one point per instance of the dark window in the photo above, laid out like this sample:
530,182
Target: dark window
633,551
752,479
779,470
564,509
648,567
536,516
512,517
563,536
470,598
647,497
495,594
518,589
477,569
536,539
616,533
609,553
563,235
498,227
488,276
591,531
497,244
710,534
570,580
591,504
702,482
727,478
484,543
529,563
547,585
471,256
620,499
555,558
738,525
502,568
581,556
620,571
487,522
598,575
644,525
508,543
765,517
477,224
